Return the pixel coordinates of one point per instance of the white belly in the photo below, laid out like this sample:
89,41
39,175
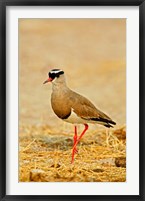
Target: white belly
74,119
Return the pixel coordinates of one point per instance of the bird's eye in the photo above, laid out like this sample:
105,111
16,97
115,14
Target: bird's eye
52,75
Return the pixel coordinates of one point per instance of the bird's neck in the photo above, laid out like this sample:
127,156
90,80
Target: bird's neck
58,86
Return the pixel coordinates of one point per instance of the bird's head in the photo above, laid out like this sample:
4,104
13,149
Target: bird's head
54,75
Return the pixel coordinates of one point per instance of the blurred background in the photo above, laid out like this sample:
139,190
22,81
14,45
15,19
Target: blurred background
92,52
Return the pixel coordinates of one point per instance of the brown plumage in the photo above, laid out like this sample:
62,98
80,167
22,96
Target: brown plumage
73,107
64,104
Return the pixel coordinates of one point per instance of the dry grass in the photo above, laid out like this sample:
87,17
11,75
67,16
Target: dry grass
92,52
44,156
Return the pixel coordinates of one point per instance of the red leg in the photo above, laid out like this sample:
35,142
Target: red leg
74,147
75,138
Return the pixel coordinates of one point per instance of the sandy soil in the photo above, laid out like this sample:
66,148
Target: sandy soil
92,54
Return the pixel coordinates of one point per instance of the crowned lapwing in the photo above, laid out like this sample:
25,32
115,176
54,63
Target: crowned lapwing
73,107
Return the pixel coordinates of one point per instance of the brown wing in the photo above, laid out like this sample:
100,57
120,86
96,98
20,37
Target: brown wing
86,110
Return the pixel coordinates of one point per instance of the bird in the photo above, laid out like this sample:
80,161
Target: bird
74,108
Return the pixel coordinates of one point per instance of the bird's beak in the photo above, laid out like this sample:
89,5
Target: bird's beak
48,80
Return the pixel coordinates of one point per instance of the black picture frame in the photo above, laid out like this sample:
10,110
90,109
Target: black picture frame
3,125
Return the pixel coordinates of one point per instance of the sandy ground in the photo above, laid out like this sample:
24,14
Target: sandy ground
92,54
